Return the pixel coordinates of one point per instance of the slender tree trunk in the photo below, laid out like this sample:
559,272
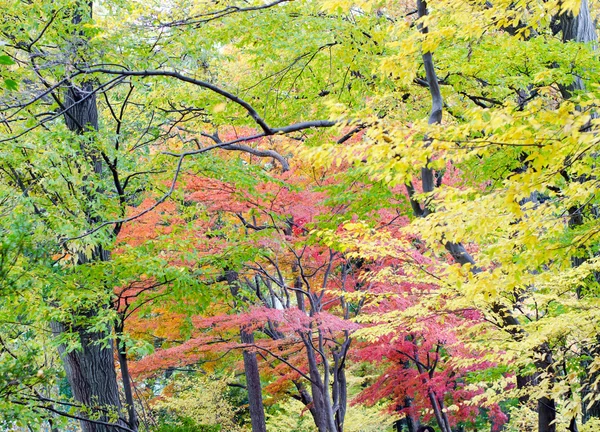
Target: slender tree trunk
341,398
125,377
320,417
251,371
546,406
257,410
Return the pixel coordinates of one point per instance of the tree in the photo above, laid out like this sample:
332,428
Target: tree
496,94
79,194
501,128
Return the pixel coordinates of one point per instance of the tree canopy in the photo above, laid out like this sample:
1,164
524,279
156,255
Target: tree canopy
299,215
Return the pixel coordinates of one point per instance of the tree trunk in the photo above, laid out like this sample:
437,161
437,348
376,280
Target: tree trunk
90,370
255,402
580,28
91,374
546,406
122,355
341,398
546,415
257,410
321,414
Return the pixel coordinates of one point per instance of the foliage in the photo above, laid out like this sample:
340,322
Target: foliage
349,184
196,403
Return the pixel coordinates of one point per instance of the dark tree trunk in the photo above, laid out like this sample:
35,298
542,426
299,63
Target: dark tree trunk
341,397
546,406
91,369
127,386
580,28
91,374
257,410
412,424
81,112
320,409
251,371
546,415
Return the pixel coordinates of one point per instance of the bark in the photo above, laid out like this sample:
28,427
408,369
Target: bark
91,369
546,406
340,396
323,418
577,28
91,375
329,409
251,371
81,112
546,415
412,424
257,410
436,405
573,426
125,377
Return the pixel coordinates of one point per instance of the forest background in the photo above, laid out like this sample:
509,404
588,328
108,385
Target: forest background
299,215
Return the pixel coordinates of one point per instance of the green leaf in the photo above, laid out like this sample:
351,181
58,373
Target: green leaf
6,60
11,84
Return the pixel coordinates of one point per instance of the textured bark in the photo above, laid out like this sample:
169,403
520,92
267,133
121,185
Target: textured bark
91,374
257,410
90,370
81,112
577,28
